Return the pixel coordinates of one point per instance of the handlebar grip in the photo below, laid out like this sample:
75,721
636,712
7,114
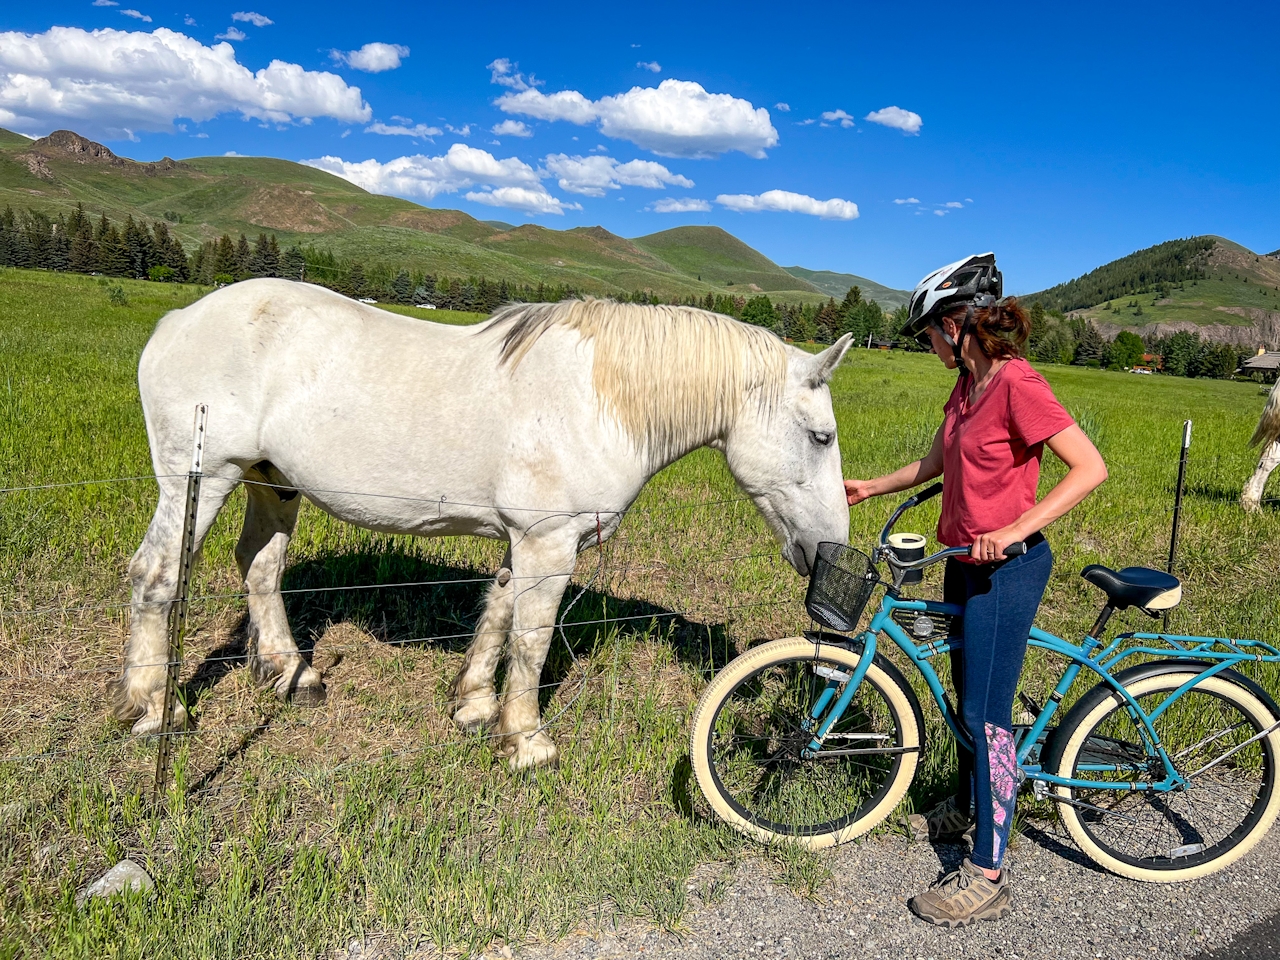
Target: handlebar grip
1015,549
927,494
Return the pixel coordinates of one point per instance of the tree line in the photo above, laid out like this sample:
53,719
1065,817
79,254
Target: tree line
1058,338
1153,270
79,243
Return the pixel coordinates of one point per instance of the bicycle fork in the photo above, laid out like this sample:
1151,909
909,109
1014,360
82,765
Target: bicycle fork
841,688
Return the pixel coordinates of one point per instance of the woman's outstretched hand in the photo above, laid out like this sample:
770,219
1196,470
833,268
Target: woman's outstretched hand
855,491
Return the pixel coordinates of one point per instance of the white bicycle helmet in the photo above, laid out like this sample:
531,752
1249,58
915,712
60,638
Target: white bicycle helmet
973,281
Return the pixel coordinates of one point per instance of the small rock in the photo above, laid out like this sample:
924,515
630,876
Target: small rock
125,875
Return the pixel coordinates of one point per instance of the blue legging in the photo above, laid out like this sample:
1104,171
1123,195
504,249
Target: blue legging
1000,602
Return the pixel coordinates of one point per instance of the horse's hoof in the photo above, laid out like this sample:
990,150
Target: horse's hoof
312,695
477,712
149,723
531,753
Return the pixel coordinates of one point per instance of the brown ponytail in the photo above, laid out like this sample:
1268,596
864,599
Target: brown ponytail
1001,329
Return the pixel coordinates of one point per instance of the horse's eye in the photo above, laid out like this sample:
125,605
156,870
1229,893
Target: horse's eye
821,439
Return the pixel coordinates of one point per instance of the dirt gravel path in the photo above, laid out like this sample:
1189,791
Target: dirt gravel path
1064,908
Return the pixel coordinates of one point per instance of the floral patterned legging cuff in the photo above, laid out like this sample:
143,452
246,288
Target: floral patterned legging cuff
1000,602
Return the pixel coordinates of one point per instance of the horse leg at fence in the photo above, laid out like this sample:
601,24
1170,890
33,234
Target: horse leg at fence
1251,498
540,572
475,701
260,554
138,695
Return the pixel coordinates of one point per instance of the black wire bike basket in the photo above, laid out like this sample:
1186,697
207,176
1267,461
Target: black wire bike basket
839,586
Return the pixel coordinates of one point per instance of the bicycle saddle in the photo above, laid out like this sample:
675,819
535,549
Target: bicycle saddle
1149,590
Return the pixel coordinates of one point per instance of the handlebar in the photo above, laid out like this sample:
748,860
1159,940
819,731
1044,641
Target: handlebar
887,553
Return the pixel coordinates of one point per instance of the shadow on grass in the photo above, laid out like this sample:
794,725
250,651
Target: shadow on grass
1220,494
439,606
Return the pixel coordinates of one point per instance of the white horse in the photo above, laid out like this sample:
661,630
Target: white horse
539,427
1266,433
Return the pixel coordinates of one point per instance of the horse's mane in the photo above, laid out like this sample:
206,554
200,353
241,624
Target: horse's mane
673,376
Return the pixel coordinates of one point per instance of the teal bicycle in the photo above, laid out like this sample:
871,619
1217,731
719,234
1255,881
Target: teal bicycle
1164,770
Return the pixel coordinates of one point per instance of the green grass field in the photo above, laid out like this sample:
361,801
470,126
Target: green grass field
289,832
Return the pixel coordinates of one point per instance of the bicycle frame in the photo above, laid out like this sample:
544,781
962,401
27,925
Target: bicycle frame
1100,659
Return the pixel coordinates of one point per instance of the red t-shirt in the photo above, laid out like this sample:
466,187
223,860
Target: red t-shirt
991,451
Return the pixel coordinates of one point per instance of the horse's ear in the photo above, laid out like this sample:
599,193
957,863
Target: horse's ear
825,363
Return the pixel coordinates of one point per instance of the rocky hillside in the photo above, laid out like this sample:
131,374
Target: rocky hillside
1209,285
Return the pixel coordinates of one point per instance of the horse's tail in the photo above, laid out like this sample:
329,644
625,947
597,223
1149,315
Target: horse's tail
1268,430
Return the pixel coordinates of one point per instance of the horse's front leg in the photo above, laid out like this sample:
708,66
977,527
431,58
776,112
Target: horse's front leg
475,701
541,571
1251,498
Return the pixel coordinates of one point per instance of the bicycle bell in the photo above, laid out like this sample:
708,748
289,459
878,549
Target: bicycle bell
909,547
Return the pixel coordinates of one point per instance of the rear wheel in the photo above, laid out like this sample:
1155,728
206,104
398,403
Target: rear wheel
753,725
1230,802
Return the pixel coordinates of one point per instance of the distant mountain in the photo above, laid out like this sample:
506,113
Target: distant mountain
719,257
838,284
204,197
1207,284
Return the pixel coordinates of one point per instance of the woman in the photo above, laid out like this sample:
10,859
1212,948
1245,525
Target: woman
1000,416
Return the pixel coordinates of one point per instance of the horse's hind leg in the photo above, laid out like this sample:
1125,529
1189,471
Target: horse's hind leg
138,695
260,553
475,701
1251,497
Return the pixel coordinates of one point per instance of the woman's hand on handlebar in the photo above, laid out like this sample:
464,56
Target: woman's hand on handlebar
990,547
855,491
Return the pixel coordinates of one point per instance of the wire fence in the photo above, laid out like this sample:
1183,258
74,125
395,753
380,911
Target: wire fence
577,673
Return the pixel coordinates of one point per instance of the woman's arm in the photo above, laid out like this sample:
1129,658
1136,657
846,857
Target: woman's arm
1085,472
926,468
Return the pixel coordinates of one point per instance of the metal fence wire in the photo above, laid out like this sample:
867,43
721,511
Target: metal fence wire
176,663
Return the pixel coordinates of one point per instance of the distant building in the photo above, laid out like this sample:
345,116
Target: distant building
1267,363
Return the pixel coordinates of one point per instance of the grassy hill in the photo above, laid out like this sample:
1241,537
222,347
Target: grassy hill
1207,284
721,258
204,197
838,284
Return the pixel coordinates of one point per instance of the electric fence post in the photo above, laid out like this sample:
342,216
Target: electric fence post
1177,504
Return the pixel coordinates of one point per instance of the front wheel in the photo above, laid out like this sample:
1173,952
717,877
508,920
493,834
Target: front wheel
1214,736
754,724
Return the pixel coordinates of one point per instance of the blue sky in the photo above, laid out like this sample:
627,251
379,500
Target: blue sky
1061,138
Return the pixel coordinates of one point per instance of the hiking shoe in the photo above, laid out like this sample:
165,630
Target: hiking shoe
963,896
945,823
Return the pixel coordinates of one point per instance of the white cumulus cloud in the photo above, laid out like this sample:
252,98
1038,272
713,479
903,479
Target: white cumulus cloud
510,182
524,199
512,128
940,213
372,57
592,176
105,3
786,202
111,82
896,117
257,19
831,116
507,74
954,204
653,66
397,130
189,20
907,200
680,205
678,118
137,15
233,33
784,107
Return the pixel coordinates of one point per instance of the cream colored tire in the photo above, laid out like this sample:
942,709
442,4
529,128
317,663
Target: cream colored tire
1234,693
888,684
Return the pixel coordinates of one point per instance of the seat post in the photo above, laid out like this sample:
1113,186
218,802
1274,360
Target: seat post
1100,624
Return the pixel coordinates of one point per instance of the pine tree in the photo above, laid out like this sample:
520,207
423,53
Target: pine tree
1090,345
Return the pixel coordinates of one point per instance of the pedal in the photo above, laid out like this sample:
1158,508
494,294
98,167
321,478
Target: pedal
1040,789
